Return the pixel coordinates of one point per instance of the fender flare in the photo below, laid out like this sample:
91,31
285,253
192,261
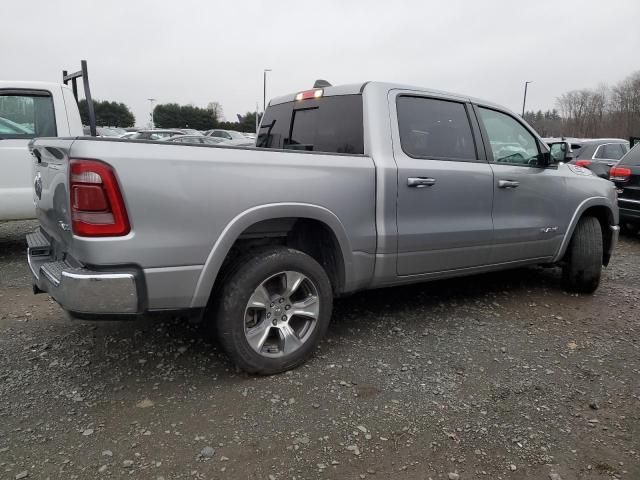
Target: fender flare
245,219
586,204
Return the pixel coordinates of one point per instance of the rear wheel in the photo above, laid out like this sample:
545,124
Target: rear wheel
274,309
583,260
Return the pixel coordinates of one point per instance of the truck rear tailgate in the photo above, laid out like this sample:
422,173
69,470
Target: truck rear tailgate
51,195
78,287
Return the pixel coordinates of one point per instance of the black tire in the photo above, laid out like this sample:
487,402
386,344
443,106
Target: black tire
241,280
583,260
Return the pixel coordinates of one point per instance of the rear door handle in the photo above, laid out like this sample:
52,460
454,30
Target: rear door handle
507,184
420,182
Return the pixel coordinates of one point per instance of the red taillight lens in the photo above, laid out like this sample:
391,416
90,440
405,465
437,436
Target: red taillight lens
89,198
97,206
619,174
583,163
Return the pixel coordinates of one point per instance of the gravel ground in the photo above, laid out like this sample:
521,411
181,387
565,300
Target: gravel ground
500,376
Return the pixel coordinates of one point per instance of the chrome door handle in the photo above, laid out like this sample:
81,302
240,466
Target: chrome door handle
420,182
507,184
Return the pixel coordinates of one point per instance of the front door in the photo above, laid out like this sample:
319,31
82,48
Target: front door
528,202
445,186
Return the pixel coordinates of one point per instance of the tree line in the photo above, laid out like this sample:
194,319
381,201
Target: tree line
172,115
604,111
168,115
108,114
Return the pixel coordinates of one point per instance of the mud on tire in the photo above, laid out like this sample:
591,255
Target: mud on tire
583,260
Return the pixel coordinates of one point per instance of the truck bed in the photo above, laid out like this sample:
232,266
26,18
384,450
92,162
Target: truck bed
181,200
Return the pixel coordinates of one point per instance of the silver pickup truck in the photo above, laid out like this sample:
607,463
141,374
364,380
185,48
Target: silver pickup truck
348,188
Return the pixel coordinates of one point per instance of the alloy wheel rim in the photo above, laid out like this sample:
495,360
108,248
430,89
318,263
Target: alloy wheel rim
281,314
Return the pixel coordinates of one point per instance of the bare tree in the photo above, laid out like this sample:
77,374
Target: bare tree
216,110
603,111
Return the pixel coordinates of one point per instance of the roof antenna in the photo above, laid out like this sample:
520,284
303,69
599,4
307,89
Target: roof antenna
321,84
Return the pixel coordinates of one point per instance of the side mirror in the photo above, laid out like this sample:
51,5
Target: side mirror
560,152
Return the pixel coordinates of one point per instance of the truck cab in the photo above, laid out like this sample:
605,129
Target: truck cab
29,110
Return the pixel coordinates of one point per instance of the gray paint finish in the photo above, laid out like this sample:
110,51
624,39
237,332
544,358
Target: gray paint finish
189,204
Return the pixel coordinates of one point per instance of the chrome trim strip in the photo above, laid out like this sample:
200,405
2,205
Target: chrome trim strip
628,200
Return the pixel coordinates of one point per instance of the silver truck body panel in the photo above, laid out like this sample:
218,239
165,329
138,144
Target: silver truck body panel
210,197
189,204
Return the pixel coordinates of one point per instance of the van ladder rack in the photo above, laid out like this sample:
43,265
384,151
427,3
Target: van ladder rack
84,73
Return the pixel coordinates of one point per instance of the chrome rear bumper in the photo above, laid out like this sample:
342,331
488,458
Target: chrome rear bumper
80,290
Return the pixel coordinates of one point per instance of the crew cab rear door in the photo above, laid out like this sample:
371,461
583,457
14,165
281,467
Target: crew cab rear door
445,185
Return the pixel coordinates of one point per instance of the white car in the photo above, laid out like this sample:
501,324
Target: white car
232,137
29,110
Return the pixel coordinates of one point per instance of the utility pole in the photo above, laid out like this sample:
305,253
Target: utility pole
256,118
524,102
264,88
151,100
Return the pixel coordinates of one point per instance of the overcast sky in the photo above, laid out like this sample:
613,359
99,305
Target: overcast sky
194,52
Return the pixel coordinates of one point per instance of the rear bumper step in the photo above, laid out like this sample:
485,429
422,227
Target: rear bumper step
38,244
81,290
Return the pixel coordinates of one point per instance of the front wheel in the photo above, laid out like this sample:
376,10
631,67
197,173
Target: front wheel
274,310
583,260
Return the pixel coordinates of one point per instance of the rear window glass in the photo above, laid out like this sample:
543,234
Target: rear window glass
632,158
612,151
432,128
27,115
330,124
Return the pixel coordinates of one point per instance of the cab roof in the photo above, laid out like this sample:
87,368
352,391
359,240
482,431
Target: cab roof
29,85
359,88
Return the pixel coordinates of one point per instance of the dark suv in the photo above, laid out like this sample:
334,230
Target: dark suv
598,155
626,175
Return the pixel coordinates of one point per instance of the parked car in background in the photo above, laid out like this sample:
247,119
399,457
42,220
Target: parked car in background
233,138
29,110
101,132
626,176
196,139
129,135
349,188
596,154
191,131
118,130
156,134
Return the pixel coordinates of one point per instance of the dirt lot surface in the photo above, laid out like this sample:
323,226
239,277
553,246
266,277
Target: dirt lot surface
501,376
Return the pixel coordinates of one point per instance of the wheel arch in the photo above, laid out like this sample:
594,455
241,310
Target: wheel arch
270,222
603,210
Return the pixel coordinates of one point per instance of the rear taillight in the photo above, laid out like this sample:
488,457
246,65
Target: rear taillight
97,206
619,174
583,163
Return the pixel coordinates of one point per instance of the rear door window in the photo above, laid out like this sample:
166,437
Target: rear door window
432,128
610,151
27,114
330,124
